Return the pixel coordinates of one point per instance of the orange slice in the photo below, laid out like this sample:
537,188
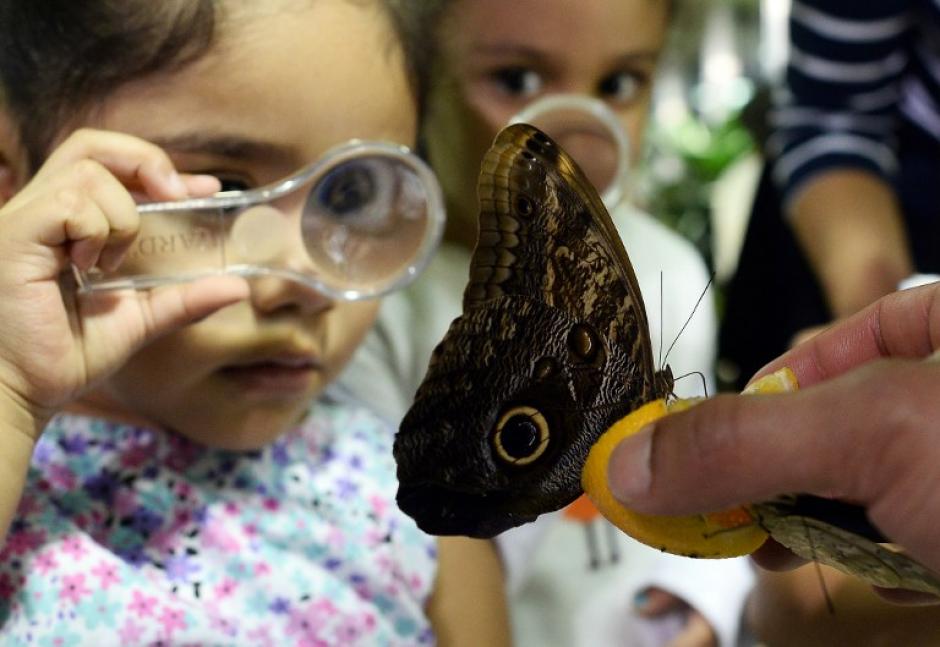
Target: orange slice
729,533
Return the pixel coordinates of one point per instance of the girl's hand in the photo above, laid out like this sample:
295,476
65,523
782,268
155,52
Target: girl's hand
78,210
696,630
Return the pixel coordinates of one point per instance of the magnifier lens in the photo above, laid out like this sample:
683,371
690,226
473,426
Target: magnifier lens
591,133
365,221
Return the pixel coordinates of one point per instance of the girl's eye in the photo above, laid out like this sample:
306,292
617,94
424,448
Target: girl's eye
233,184
621,87
518,81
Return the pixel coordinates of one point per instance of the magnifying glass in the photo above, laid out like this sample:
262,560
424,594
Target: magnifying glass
590,132
361,221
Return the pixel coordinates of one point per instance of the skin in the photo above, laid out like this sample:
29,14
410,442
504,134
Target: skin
850,226
497,57
868,408
164,359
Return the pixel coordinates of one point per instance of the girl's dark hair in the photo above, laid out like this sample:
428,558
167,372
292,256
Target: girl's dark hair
57,57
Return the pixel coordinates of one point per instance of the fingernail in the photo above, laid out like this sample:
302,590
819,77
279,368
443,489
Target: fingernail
628,472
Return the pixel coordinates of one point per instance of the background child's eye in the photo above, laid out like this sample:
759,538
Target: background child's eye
621,87
518,81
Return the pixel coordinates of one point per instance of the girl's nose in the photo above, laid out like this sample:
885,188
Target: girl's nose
276,295
269,237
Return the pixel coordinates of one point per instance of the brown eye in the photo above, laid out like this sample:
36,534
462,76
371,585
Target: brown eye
521,435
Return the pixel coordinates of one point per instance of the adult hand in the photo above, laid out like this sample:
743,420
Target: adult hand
865,427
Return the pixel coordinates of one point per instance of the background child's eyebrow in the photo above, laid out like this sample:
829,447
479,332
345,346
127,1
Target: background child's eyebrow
642,57
228,146
528,52
507,50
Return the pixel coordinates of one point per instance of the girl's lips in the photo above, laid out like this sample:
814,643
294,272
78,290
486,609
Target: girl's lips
283,376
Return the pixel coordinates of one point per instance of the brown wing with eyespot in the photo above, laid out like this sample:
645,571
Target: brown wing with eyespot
552,347
545,234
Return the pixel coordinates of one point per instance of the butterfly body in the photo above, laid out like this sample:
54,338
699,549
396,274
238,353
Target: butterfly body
552,347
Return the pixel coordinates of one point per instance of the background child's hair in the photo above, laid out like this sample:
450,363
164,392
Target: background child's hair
58,57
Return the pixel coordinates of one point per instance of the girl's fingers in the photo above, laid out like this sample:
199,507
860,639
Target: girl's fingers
653,601
88,211
697,633
84,216
200,186
135,162
168,308
95,174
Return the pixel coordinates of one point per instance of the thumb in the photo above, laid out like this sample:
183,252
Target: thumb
168,308
834,438
117,323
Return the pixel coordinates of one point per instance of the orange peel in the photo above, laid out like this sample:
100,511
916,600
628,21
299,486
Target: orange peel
728,533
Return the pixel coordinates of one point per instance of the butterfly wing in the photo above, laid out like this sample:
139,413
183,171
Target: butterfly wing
813,536
545,234
552,347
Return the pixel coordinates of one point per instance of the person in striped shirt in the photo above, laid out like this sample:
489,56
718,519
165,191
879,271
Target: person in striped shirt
853,186
856,143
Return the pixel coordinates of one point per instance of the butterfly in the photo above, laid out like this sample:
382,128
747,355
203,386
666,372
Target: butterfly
551,349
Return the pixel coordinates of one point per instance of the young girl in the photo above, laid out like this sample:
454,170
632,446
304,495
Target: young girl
495,59
165,479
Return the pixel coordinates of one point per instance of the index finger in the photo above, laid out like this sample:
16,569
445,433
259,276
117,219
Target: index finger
903,324
135,162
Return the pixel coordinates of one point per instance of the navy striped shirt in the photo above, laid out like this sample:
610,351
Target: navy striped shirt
856,69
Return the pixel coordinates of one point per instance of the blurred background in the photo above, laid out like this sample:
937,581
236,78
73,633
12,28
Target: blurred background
702,153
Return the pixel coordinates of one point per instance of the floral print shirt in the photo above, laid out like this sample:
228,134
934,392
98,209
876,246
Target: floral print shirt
129,536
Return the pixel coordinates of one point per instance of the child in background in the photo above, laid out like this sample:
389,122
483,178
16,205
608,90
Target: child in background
495,59
165,478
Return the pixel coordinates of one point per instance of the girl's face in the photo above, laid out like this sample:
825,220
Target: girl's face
499,56
280,88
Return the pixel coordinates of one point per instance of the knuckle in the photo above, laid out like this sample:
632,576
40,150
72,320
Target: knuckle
86,173
82,135
70,201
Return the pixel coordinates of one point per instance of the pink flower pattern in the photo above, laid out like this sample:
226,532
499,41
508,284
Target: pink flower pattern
145,537
73,588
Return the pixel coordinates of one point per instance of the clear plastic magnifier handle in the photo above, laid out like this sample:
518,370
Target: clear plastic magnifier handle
591,133
360,222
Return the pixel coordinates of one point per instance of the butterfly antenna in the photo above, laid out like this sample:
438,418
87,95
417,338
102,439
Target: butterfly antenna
830,606
701,376
691,314
660,319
